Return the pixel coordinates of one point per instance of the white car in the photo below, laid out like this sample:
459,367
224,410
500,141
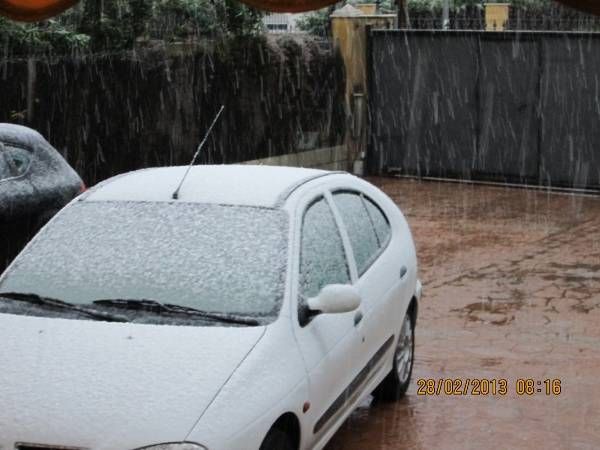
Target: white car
255,311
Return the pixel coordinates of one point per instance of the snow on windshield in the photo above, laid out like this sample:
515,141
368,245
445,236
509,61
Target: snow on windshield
211,257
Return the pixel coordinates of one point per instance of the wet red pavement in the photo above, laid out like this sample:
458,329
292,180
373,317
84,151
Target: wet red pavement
511,291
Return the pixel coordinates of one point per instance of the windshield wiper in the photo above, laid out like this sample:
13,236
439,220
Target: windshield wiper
36,299
157,307
223,317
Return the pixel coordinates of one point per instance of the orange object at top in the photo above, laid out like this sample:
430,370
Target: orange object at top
33,10
36,10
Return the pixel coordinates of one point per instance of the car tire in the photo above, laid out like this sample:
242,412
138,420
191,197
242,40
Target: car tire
276,440
395,384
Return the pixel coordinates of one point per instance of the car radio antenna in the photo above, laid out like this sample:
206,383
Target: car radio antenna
176,193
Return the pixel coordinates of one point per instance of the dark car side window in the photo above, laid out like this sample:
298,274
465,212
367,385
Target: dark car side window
14,161
367,227
322,257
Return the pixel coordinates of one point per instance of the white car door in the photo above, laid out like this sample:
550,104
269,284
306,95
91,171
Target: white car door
382,268
328,342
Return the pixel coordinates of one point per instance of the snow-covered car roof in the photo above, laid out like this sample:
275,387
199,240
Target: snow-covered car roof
247,185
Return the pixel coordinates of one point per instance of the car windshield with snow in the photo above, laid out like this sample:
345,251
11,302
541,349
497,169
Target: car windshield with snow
156,262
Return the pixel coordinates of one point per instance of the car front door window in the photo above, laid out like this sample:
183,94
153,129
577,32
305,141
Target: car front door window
322,257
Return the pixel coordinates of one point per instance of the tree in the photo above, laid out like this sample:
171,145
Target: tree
316,23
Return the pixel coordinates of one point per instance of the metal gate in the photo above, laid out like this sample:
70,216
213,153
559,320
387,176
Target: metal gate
505,106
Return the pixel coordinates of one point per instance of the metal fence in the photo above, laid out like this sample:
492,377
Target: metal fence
514,23
512,107
550,17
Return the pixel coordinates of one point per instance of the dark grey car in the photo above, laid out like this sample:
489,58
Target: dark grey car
35,182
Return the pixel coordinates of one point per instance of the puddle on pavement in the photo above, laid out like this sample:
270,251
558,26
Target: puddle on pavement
492,312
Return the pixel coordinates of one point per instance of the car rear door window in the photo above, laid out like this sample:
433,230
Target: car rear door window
359,226
322,257
380,222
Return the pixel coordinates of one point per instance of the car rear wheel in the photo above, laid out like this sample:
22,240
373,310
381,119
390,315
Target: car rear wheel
395,384
276,440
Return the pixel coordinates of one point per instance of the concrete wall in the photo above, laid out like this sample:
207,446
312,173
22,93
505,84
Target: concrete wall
496,16
328,158
349,30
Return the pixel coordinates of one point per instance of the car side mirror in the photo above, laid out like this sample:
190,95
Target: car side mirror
335,299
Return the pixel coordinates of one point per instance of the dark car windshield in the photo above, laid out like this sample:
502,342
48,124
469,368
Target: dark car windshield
214,258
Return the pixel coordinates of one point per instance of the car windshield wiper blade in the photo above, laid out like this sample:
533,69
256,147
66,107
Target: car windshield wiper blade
132,304
223,317
157,307
36,299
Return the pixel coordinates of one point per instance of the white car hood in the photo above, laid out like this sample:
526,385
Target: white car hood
113,386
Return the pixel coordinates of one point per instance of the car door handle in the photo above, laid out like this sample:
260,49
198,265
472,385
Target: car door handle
403,271
357,318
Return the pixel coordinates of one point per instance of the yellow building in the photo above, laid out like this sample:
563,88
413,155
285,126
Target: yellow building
496,16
